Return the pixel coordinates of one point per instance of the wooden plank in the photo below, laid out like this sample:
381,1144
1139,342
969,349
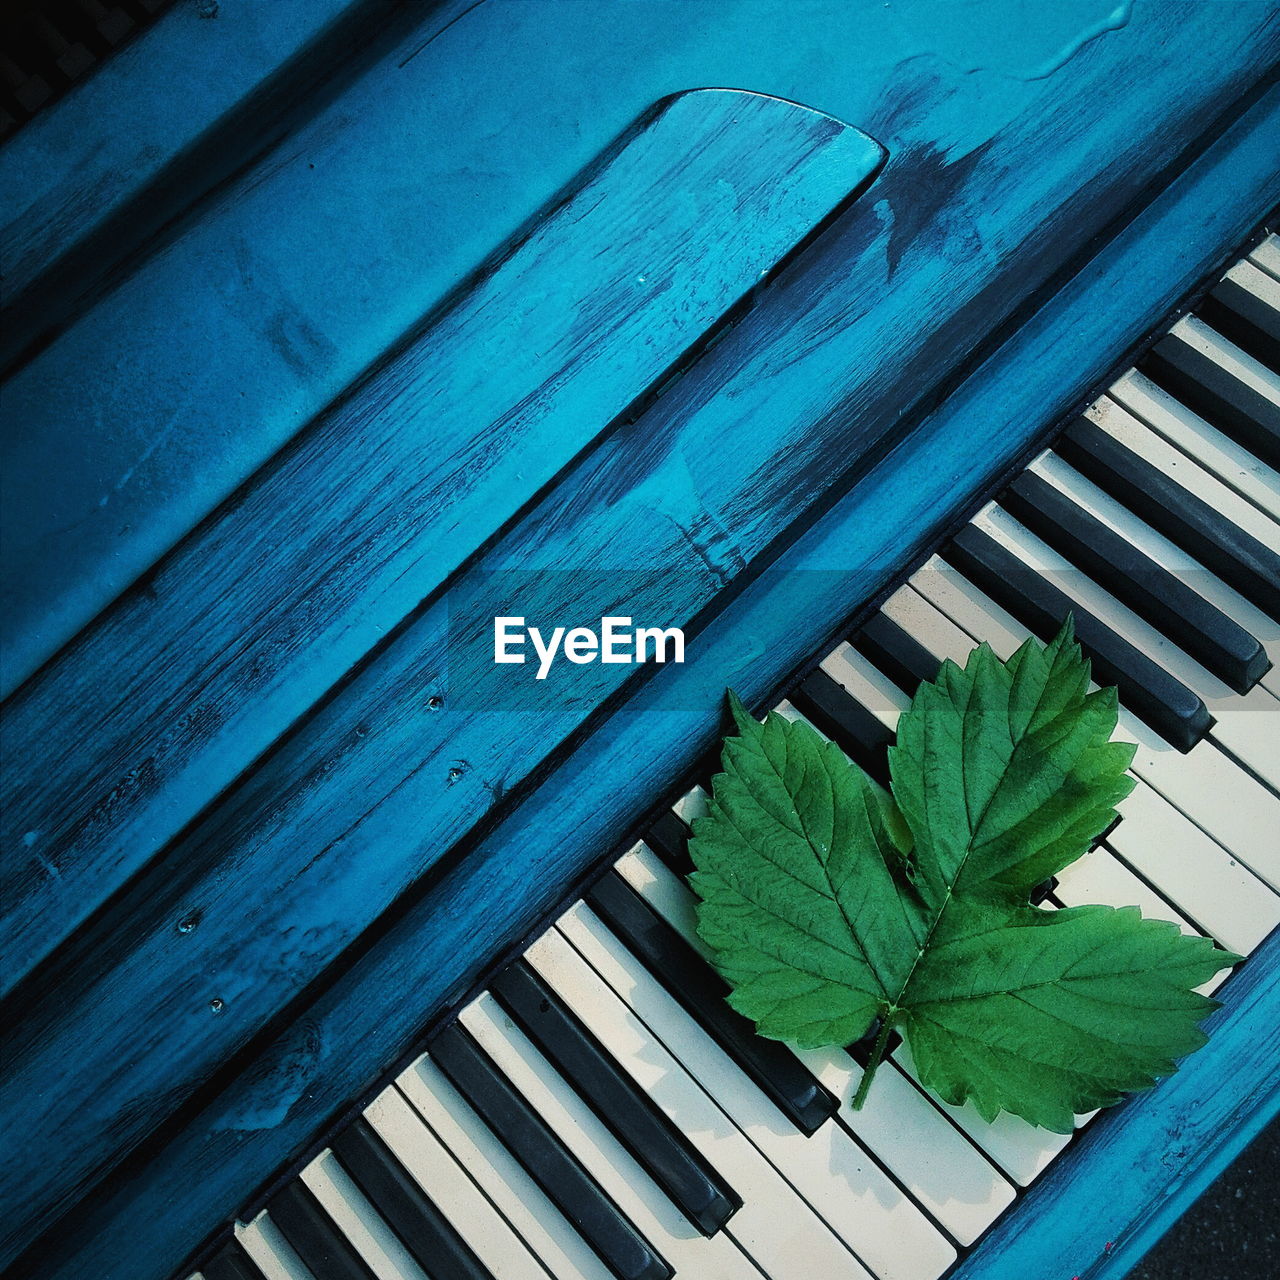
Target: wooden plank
461,916
96,179
1162,1148
302,270
156,707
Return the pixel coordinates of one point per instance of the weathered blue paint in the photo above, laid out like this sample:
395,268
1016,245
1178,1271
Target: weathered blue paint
595,792
297,275
77,166
262,609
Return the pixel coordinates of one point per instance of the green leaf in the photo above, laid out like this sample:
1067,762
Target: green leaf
828,904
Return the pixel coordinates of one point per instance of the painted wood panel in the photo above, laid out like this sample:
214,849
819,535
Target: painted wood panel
193,674
431,948
299,273
111,139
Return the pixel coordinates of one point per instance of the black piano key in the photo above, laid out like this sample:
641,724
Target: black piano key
1220,644
661,1149
569,1187
1222,547
863,737
862,1048
1244,319
779,1074
230,1263
1047,888
1166,704
896,654
423,1230
313,1235
668,837
1219,398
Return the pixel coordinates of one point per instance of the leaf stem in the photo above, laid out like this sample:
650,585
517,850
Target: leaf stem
877,1052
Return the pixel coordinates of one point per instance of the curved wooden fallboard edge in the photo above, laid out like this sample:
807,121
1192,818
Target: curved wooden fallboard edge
177,686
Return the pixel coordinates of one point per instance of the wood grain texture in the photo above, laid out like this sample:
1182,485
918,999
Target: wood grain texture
333,1042
156,707
293,277
118,131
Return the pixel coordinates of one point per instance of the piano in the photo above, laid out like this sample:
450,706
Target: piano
841,336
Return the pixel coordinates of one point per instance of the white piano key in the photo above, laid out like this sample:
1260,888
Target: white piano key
471,1215
359,1221
1248,725
691,806
1170,556
1267,256
830,1171
499,1175
1204,783
1022,1150
270,1251
1171,462
1194,872
904,1131
1263,288
596,1149
1250,373
774,1226
858,677
1232,463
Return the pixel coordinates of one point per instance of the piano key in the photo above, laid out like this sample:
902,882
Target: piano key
898,1124
1245,725
1019,1148
1169,707
1191,869
529,1223
1207,785
623,1249
700,1194
691,806
421,1153
1178,498
426,1234
229,1263
1152,591
1244,307
364,1225
775,1227
830,1171
773,1067
668,837
1195,873
1120,520
1212,376
271,1253
1266,256
1218,454
313,1235
894,652
861,736
687,1250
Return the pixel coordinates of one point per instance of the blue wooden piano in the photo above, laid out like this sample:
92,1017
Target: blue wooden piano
837,336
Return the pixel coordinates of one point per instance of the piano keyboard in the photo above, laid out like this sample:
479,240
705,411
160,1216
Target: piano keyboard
599,1111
